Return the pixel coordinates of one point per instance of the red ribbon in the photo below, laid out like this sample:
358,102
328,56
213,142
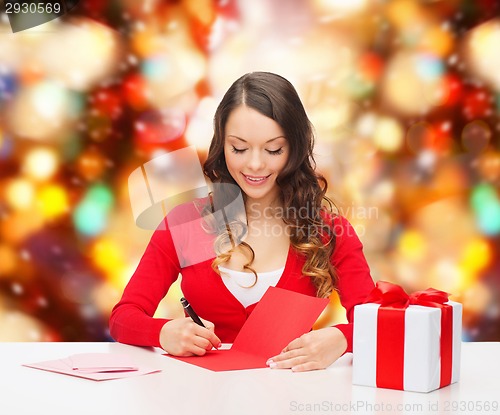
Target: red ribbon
393,302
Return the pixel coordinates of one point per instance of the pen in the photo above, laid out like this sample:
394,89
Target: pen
191,312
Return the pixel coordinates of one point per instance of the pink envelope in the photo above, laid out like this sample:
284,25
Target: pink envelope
94,366
280,317
102,362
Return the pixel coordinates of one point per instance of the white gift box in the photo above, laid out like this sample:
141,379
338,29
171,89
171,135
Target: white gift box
422,350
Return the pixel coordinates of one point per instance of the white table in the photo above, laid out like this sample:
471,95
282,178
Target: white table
186,389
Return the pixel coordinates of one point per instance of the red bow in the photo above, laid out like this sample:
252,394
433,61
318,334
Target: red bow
392,295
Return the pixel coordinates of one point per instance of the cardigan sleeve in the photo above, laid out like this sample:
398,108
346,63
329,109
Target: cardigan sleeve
132,320
353,272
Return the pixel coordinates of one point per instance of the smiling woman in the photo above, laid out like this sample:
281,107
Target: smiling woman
256,160
263,142
288,236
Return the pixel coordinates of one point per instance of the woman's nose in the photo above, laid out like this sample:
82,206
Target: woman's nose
256,161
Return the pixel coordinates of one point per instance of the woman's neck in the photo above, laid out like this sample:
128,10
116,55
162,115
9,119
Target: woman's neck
262,210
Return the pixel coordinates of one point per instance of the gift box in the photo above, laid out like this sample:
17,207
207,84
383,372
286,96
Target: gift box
407,342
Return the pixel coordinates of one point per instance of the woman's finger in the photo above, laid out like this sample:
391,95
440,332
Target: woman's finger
208,335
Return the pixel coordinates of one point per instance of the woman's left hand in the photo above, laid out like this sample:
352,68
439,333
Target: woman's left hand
317,349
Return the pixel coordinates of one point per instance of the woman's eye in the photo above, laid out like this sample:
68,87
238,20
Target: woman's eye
238,150
276,152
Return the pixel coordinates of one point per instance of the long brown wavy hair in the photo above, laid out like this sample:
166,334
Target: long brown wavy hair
307,210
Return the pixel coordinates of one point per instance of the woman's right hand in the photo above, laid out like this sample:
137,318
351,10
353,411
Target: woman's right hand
183,337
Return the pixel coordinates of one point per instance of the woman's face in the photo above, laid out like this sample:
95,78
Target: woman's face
256,151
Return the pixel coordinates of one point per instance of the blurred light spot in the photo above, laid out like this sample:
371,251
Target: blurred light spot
476,136
383,193
424,137
482,194
42,302
159,127
359,88
202,11
19,327
476,298
105,296
99,126
404,13
488,165
71,147
327,7
476,255
419,136
412,245
56,250
426,160
412,83
445,221
6,146
388,135
200,127
101,195
20,193
145,42
17,288
82,54
366,123
477,103
486,207
34,335
8,86
25,255
48,100
40,163
91,215
135,91
447,275
489,219
429,67
91,164
16,227
8,260
482,51
88,311
108,256
174,70
437,40
371,66
330,119
53,201
107,103
156,67
76,287
41,111
451,89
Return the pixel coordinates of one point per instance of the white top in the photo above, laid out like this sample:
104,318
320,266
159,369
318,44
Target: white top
239,283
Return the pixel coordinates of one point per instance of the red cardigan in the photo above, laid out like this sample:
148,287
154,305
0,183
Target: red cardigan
132,319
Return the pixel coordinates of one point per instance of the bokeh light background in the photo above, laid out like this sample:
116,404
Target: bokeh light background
404,96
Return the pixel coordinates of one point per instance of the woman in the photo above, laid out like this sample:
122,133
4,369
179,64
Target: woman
288,237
